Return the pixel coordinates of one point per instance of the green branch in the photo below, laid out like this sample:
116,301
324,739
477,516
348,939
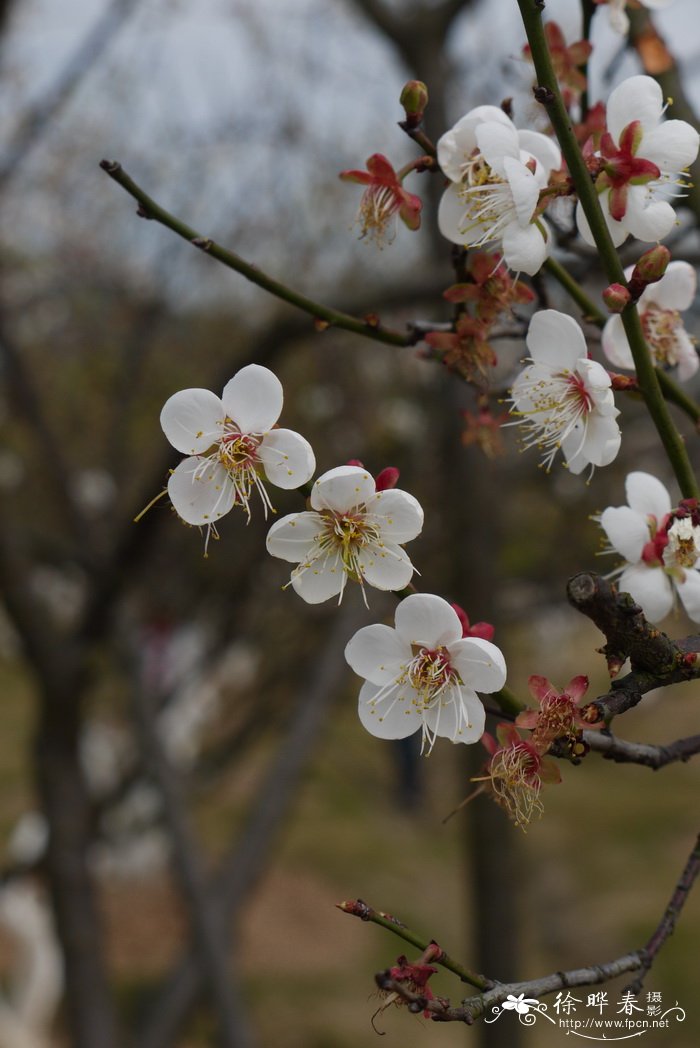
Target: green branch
547,92
324,315
358,908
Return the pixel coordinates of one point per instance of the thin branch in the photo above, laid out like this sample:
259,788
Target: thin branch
623,752
324,315
358,908
668,921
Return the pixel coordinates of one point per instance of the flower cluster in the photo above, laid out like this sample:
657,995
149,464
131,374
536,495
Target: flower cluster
660,546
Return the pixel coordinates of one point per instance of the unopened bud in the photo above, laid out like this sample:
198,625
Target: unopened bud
414,99
651,266
388,478
616,297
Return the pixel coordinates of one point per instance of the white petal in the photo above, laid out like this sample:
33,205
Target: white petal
343,488
676,289
524,187
451,212
650,588
688,360
393,716
322,579
401,514
378,654
615,344
617,230
287,457
460,716
496,142
253,399
294,537
637,98
646,219
533,376
201,491
456,146
385,566
555,339
427,620
525,250
602,441
543,148
597,383
479,663
193,420
627,531
647,495
672,146
689,592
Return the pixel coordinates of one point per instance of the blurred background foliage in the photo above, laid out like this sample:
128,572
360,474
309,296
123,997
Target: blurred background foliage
168,718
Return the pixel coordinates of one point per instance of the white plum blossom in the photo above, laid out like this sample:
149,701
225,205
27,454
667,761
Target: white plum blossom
618,16
352,531
660,306
424,675
642,157
660,547
565,400
232,443
496,174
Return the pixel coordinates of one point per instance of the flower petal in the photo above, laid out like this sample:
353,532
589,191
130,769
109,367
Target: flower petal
650,588
253,399
385,566
320,580
524,187
343,488
451,211
617,230
687,356
689,592
676,289
479,663
556,340
636,98
378,654
647,495
646,219
599,446
615,344
394,715
525,250
458,715
672,146
193,420
294,537
201,491
496,142
458,144
400,514
287,457
427,620
627,531
543,148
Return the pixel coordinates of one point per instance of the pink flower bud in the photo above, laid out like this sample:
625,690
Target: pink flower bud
616,297
414,99
387,478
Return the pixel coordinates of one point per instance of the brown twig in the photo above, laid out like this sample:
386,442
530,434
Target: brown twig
655,757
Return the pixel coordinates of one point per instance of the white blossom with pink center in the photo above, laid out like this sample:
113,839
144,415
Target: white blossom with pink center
496,174
352,531
643,161
660,548
565,400
660,307
424,675
232,444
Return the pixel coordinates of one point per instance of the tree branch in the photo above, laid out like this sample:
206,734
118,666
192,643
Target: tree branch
623,752
326,316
